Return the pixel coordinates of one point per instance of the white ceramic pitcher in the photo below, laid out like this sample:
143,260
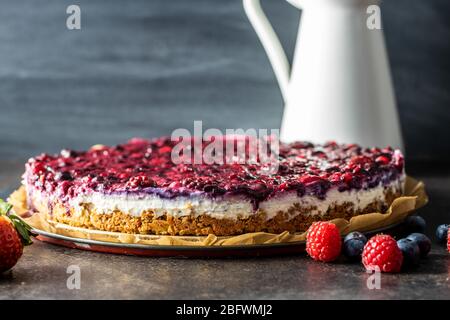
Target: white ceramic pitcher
340,86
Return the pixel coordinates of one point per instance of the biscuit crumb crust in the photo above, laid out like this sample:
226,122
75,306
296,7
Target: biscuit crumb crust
295,219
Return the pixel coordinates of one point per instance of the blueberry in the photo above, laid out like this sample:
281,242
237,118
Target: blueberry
411,252
423,241
356,235
415,224
63,176
66,153
442,232
353,248
354,244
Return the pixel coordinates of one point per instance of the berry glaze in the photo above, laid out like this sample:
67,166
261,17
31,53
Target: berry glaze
145,167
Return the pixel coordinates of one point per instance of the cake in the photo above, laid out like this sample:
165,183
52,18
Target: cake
135,187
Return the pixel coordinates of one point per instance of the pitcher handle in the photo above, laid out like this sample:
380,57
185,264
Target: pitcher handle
270,42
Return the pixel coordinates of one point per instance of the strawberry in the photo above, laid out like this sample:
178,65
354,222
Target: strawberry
14,235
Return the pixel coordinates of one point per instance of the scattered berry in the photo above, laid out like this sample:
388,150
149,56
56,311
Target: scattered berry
448,244
411,252
356,235
382,251
442,233
423,242
415,224
354,244
323,241
11,248
14,234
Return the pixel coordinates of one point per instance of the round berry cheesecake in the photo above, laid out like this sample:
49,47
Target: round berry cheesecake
136,188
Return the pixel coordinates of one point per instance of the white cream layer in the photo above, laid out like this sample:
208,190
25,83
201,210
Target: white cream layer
234,208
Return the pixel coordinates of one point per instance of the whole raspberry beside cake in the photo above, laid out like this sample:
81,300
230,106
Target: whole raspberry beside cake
136,188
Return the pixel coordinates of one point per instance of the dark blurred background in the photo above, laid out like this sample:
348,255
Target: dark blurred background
144,68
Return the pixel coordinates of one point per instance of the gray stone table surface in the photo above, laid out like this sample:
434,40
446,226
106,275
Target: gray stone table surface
148,67
41,273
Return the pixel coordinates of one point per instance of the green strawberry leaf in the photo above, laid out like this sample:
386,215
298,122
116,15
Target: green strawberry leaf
24,229
5,207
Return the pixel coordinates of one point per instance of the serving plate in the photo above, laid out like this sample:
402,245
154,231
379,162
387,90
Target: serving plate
188,251
390,222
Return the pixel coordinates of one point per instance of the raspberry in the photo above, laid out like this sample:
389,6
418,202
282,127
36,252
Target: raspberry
382,160
382,251
448,241
323,241
140,181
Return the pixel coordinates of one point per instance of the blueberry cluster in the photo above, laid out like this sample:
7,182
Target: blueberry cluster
414,247
382,250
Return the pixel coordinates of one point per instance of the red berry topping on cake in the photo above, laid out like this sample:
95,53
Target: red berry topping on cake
140,181
382,251
323,241
382,160
147,166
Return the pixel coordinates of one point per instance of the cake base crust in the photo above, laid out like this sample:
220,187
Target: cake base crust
295,219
